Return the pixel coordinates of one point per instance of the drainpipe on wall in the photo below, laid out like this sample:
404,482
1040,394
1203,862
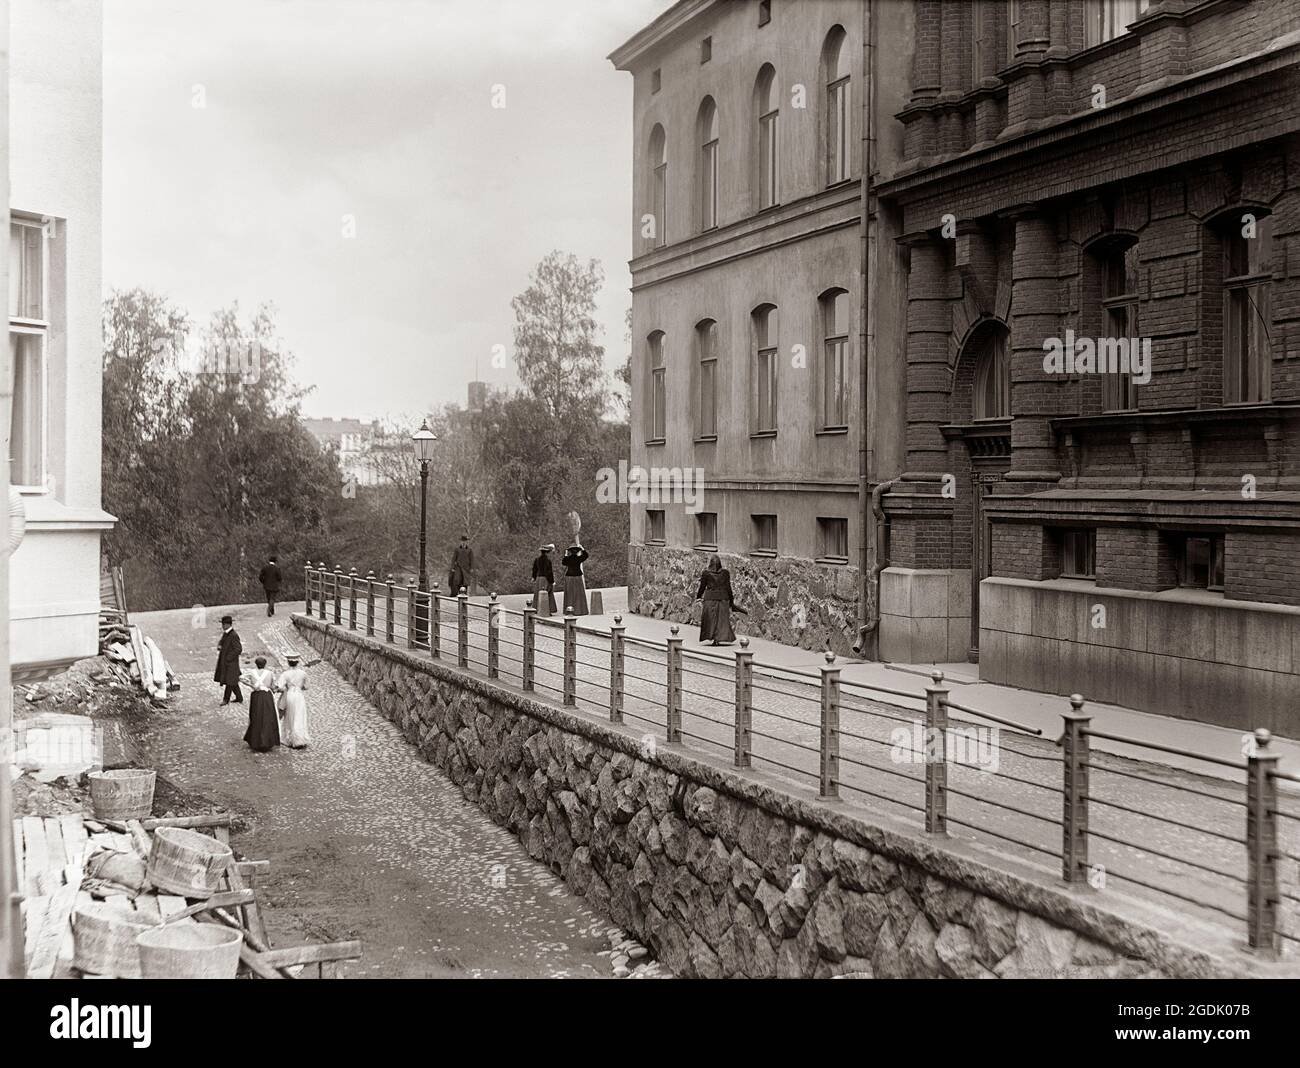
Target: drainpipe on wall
867,582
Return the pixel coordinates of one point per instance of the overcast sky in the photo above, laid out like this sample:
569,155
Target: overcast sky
313,110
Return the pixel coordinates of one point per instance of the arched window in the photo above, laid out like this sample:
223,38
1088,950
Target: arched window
763,321
835,357
657,394
706,377
1104,20
768,113
1119,299
992,397
708,131
659,184
838,121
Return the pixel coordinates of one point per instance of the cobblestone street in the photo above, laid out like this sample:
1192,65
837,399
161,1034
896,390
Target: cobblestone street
365,839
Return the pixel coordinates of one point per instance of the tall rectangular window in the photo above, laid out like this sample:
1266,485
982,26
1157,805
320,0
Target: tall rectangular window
763,535
28,331
981,32
765,370
706,341
837,134
656,422
1013,29
1247,312
768,155
835,348
1120,303
833,539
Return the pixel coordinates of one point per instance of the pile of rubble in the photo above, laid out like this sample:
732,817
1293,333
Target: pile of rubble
136,660
630,959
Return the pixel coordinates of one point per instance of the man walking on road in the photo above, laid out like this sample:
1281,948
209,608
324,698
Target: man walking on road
228,651
462,568
269,577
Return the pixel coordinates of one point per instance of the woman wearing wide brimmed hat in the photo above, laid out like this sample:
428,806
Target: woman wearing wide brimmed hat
544,581
293,703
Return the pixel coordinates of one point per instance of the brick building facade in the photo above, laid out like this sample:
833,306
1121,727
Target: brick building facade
1075,173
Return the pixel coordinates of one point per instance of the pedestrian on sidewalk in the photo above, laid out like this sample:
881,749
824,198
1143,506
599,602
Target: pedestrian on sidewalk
462,568
544,581
715,591
263,726
575,586
228,650
269,577
293,704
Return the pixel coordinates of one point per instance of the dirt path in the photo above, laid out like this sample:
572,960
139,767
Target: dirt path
365,839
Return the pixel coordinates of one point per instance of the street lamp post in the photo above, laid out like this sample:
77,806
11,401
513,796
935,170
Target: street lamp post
423,440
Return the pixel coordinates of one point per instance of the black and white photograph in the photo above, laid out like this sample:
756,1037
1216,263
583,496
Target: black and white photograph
671,490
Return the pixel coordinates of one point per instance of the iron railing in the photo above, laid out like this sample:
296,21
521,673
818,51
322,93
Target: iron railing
916,753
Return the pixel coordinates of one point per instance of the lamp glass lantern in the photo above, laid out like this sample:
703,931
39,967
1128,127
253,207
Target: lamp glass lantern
423,440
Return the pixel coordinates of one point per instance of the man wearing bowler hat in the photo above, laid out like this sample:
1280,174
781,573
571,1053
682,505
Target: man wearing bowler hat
228,651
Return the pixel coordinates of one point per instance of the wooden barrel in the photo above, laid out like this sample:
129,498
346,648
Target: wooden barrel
185,862
103,941
126,794
190,951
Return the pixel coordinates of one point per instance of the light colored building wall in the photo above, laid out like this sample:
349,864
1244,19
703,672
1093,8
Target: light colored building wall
55,129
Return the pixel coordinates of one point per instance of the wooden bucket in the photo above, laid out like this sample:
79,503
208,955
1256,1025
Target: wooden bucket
190,951
103,940
126,794
185,862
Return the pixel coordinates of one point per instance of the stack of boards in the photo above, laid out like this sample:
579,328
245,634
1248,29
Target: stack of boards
143,663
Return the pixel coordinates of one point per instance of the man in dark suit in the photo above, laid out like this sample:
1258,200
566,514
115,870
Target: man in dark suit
462,568
228,651
269,577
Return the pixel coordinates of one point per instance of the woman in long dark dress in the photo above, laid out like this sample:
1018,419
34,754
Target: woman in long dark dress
544,582
715,590
263,723
575,586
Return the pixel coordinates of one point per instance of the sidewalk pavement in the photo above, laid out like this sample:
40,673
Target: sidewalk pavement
1028,707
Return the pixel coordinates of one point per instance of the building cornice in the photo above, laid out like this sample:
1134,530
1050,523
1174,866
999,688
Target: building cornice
1281,54
657,32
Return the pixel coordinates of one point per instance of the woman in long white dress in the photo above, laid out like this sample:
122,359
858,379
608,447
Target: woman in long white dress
293,704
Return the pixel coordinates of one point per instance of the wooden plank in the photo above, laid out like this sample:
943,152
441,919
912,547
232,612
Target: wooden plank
170,905
20,851
139,839
216,901
120,902
215,819
252,914
34,909
147,906
73,874
221,834
34,841
311,954
251,868
74,834
53,930
54,853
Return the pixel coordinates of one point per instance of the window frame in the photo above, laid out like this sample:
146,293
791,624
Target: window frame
1251,291
1118,392
1069,553
709,163
700,541
1215,563
995,354
841,523
706,358
657,395
764,367
659,184
1101,19
757,524
768,139
826,304
37,326
655,517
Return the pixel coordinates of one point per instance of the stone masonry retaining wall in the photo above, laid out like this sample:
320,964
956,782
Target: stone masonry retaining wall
726,873
793,601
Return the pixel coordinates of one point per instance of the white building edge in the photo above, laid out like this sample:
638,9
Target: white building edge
53,424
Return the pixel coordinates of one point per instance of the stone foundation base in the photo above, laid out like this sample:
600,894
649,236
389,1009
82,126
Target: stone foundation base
792,601
924,615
